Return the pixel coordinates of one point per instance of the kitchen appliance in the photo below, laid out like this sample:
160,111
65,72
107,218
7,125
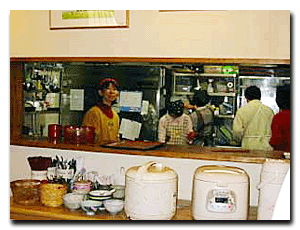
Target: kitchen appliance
220,193
151,192
271,180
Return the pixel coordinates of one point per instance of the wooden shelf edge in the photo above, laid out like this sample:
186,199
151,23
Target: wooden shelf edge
154,60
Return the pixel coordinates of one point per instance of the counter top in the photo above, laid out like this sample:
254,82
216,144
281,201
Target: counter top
20,212
172,151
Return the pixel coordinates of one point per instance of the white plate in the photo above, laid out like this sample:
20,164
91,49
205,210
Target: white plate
101,193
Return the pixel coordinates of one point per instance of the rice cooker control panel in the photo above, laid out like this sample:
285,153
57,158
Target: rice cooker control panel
221,200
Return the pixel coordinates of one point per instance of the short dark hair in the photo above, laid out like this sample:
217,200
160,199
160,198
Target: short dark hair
283,96
252,93
200,98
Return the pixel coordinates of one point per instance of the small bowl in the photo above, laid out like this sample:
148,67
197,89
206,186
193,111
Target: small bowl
73,200
113,206
91,206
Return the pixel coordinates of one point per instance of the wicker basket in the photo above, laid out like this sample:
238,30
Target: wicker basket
52,194
26,192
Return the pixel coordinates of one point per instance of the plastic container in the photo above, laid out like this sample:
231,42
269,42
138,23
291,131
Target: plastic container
26,192
271,180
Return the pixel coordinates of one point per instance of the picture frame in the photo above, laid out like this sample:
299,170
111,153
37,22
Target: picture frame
88,19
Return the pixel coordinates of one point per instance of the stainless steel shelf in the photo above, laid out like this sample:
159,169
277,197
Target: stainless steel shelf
216,75
205,74
264,77
222,94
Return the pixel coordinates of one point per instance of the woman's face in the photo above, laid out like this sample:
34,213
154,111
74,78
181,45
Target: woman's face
109,94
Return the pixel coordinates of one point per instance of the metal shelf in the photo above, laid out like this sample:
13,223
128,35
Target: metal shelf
205,74
222,94
216,75
264,77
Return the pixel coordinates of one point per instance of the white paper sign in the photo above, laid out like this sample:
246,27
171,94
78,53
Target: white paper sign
131,101
76,99
145,107
130,129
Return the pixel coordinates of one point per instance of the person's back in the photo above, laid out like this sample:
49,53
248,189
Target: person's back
203,119
252,123
280,139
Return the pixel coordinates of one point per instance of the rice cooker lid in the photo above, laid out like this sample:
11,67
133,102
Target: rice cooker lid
221,174
151,171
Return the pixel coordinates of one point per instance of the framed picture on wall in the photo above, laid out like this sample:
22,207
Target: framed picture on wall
88,19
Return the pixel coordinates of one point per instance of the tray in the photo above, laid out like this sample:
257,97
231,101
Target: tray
134,145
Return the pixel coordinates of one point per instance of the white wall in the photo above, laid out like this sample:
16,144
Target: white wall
200,34
106,163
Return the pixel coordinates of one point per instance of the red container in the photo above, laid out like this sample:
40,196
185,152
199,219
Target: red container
88,134
76,137
54,133
69,130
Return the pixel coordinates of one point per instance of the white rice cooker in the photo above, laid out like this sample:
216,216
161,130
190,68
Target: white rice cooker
151,192
220,193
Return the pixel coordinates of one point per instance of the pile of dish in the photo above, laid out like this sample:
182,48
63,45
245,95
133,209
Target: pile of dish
95,201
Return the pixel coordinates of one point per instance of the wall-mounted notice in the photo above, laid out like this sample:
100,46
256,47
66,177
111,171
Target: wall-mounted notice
131,101
77,99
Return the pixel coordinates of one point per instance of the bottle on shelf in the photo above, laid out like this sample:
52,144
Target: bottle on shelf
210,88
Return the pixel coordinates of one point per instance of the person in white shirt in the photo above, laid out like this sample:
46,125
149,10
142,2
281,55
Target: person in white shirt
252,123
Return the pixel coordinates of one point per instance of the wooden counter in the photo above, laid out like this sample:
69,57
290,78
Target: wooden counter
19,212
171,151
